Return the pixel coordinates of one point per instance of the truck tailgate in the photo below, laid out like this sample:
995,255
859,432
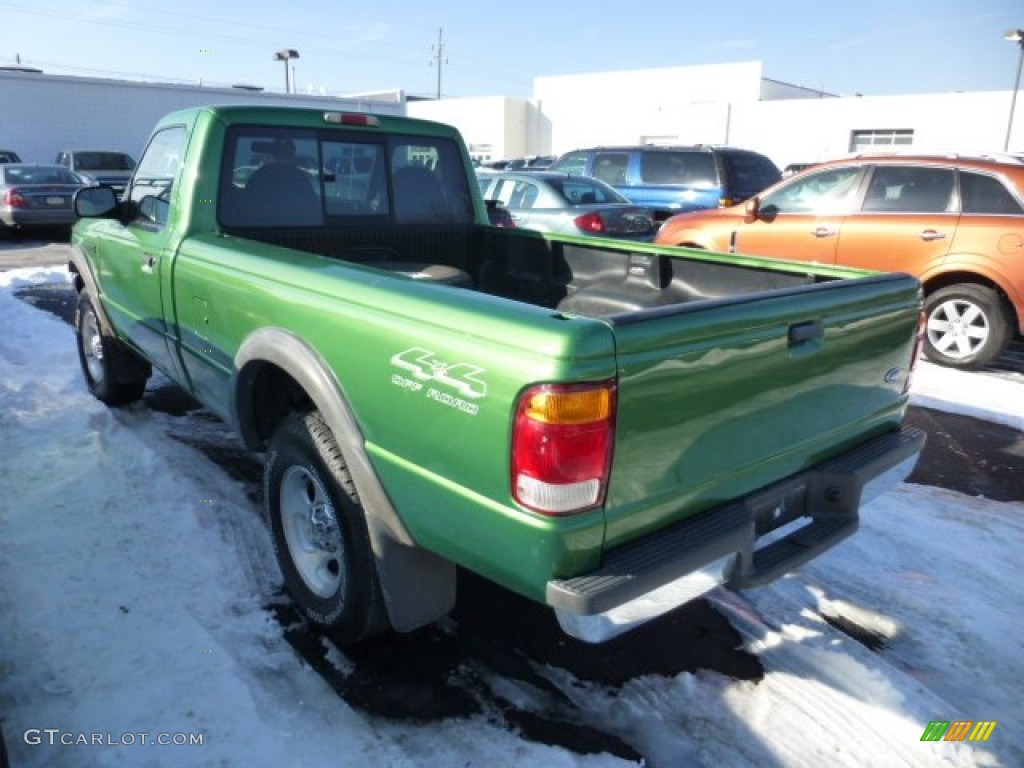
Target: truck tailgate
718,399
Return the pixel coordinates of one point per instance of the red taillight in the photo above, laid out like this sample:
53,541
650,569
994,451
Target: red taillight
13,198
590,222
562,440
915,352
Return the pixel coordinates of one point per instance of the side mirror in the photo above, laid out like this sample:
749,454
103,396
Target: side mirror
149,207
751,209
95,202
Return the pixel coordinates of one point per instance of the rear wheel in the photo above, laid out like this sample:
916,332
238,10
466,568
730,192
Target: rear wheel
319,530
967,326
113,373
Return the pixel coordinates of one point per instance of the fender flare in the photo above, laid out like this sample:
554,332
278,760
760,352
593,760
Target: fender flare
418,585
79,265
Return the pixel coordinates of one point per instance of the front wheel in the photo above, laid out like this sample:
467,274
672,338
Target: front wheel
967,326
319,530
113,373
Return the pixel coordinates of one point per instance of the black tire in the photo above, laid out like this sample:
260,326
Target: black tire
113,373
319,531
967,326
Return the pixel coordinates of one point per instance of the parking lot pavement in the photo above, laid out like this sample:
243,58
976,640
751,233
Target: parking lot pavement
32,251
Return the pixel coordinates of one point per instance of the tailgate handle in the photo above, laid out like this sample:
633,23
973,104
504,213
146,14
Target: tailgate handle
802,333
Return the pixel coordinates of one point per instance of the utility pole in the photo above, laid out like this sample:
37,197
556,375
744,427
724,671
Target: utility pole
440,59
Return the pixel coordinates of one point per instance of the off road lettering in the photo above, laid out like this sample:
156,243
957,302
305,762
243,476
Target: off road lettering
422,365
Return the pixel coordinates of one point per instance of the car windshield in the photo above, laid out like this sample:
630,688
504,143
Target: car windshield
38,174
103,161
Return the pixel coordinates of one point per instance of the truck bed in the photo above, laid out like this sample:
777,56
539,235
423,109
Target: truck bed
733,373
584,276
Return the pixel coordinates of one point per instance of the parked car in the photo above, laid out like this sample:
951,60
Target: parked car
564,204
794,168
99,166
671,180
9,156
955,222
530,163
36,196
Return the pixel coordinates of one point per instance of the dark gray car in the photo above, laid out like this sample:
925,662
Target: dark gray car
36,196
113,169
564,204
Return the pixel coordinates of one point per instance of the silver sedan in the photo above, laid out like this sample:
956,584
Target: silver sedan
565,204
36,196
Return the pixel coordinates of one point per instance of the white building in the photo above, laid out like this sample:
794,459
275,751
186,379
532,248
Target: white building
712,104
43,114
722,104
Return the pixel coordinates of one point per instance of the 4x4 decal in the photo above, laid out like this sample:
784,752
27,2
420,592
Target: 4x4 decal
423,366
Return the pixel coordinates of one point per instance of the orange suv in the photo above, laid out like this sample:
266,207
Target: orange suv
955,222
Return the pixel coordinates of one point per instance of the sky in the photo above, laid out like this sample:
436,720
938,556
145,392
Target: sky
873,47
135,575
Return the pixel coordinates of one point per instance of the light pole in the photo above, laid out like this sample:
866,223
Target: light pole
1014,36
285,55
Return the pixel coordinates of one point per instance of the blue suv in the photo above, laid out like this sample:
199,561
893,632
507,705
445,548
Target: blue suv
671,180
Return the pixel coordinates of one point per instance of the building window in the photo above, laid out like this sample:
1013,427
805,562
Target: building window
870,141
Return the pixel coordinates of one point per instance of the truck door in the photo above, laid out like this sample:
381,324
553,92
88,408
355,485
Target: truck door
134,258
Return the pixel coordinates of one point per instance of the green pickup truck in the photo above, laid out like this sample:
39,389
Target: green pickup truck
608,428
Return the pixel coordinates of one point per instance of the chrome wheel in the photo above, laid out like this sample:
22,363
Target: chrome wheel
92,345
958,328
311,531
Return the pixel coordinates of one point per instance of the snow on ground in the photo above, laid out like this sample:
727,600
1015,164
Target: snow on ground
134,575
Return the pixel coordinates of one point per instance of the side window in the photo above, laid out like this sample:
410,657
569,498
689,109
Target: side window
524,196
908,189
610,167
980,193
154,177
826,192
750,173
695,169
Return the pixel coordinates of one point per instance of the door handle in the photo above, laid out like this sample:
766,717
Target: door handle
148,261
823,232
930,234
805,338
799,333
